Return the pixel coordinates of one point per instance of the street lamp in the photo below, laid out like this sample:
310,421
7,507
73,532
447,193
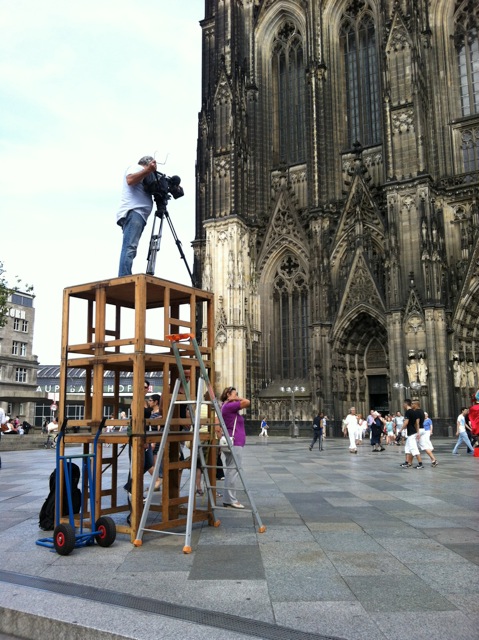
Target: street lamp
415,386
294,429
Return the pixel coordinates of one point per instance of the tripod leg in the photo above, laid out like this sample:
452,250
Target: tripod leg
155,242
180,247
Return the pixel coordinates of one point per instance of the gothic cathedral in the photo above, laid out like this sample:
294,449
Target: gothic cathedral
338,202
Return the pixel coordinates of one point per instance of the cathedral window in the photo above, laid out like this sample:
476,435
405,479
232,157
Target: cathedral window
470,148
289,90
466,30
361,71
291,319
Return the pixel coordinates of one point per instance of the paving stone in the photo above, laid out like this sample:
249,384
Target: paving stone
230,562
329,618
408,593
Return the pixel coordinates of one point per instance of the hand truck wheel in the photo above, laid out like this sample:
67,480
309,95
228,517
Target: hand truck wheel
64,539
106,528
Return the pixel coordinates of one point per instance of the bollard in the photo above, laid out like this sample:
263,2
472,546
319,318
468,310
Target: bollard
449,432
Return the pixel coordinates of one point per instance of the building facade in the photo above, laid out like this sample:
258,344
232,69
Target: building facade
337,201
18,364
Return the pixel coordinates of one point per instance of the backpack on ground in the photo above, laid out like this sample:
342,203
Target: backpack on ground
47,512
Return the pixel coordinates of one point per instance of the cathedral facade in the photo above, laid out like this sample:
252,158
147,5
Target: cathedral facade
338,202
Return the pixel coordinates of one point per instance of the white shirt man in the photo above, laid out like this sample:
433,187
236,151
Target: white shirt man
351,423
461,433
52,426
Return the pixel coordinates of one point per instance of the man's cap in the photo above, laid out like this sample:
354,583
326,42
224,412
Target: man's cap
145,160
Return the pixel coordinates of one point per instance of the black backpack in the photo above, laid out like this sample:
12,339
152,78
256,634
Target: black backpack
47,512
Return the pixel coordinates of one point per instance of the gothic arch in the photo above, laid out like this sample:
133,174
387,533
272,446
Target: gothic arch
281,252
271,21
344,324
284,230
360,350
333,18
285,315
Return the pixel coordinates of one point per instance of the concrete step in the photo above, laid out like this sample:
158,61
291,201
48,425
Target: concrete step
22,443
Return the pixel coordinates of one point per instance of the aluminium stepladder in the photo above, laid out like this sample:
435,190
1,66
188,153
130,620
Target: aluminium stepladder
194,406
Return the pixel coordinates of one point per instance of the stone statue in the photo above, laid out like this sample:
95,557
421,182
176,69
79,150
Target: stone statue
422,371
471,381
456,369
412,370
463,375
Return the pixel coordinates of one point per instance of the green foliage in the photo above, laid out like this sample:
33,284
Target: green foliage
5,291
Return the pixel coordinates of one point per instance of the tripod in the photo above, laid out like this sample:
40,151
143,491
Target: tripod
155,240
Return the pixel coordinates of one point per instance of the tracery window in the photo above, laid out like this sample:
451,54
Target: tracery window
289,91
361,69
291,319
466,32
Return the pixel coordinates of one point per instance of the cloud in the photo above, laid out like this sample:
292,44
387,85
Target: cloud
86,89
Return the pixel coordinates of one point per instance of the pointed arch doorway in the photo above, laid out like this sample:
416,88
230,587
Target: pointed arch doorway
376,371
361,365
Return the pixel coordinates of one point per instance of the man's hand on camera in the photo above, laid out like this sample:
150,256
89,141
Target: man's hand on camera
151,166
135,178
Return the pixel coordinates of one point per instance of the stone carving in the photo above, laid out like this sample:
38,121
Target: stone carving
422,370
412,370
402,121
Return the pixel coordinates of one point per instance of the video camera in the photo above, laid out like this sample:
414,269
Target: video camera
160,186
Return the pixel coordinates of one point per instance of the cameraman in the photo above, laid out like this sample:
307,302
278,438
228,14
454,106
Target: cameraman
135,207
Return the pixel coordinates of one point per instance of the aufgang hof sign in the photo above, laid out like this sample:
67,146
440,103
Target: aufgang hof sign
108,389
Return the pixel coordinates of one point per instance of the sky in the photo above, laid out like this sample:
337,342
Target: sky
86,89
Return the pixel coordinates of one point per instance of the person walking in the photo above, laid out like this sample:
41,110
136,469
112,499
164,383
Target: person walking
234,421
411,424
264,428
425,443
398,425
351,424
318,425
473,416
461,433
377,426
360,429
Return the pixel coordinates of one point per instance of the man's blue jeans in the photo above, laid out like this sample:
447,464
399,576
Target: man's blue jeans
463,437
132,226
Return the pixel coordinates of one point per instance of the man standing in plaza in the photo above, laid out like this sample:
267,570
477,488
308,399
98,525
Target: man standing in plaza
135,207
411,424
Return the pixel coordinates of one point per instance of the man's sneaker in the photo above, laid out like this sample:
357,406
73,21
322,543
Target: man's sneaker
405,465
419,466
454,453
434,464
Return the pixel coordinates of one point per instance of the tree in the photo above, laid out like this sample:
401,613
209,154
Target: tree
5,292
